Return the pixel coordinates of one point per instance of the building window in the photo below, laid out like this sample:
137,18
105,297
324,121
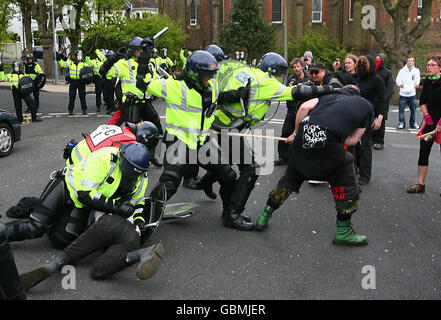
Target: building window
420,9
277,11
193,14
351,10
316,10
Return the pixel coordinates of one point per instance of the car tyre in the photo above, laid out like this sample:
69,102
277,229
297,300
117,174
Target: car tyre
6,140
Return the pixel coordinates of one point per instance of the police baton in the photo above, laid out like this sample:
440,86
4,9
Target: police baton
156,36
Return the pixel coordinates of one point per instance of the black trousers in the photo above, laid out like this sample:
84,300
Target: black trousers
98,90
175,166
109,93
74,86
36,95
111,234
288,128
378,135
363,153
17,96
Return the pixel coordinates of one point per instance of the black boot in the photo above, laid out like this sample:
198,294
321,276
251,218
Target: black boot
232,219
207,185
34,277
20,230
149,259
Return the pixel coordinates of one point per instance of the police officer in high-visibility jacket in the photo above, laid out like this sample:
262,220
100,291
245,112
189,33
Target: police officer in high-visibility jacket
33,69
117,236
96,65
264,88
74,67
125,63
13,78
112,136
109,83
167,64
100,182
156,59
188,119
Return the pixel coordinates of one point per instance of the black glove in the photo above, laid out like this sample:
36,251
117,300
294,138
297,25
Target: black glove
148,42
309,92
140,83
244,93
124,209
58,57
145,56
119,54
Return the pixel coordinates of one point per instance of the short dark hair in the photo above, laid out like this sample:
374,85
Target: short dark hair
297,60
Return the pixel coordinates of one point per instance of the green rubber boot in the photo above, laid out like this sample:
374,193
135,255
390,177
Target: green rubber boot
262,220
345,235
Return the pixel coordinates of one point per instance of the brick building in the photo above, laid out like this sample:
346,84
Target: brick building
203,19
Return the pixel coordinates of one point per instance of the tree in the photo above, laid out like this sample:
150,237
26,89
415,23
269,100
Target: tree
6,13
323,46
400,44
247,30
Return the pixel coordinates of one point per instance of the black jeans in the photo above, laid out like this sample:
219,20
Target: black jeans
112,234
73,87
109,93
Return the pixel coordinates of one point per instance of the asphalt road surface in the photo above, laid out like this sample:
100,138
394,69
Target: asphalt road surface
293,259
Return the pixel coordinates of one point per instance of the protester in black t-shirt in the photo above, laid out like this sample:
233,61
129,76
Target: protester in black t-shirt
323,127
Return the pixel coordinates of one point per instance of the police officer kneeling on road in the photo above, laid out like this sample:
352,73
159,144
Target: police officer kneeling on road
119,221
22,86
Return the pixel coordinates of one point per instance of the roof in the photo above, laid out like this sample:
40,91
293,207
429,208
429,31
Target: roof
144,4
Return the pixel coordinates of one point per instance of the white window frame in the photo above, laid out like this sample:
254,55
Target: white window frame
351,12
321,12
193,22
281,12
419,5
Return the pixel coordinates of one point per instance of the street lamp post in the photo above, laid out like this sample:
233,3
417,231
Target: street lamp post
55,41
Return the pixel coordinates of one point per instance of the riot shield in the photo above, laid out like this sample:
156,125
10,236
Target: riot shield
26,85
86,75
40,81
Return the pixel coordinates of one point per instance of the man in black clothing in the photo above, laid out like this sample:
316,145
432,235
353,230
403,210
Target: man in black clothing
372,88
297,78
386,75
321,76
323,127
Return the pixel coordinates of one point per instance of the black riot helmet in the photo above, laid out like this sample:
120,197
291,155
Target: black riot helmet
216,51
29,56
16,66
274,64
199,65
79,55
146,133
134,160
134,44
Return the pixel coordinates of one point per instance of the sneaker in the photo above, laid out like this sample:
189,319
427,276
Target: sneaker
416,188
36,120
150,259
415,126
378,146
401,126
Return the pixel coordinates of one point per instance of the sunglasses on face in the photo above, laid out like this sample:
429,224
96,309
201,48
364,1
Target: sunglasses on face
314,72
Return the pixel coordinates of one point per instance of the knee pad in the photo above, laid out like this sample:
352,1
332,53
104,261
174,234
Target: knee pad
278,196
346,207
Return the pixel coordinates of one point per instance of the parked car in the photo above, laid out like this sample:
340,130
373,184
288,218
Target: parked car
37,51
10,132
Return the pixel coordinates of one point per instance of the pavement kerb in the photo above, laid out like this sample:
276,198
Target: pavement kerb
56,88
